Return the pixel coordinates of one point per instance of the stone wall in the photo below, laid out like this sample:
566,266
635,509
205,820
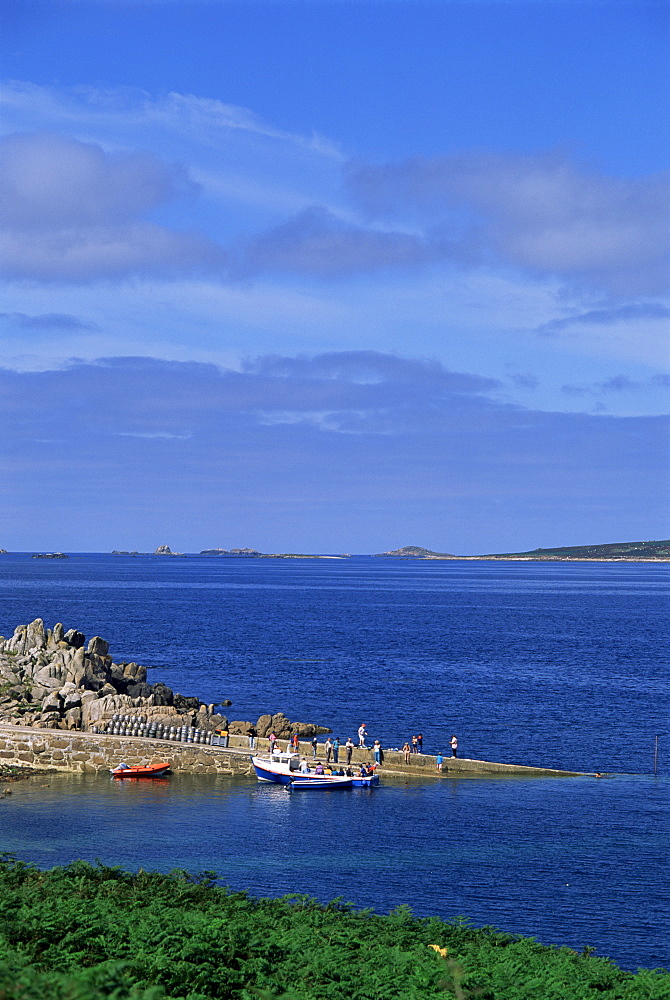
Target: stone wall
74,751
70,751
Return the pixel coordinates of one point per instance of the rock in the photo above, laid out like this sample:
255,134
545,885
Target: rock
71,696
281,725
139,690
163,695
134,672
51,679
28,637
184,704
98,645
102,708
309,729
52,675
163,550
264,725
7,675
49,720
73,718
52,703
239,727
74,638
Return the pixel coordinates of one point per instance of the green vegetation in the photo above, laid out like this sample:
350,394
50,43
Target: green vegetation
86,932
611,550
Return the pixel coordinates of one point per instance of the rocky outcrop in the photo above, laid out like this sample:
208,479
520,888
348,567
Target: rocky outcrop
282,727
53,679
230,552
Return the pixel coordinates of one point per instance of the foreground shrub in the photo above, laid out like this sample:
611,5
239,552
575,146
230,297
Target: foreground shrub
87,932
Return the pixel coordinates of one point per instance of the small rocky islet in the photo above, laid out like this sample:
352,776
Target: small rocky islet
54,679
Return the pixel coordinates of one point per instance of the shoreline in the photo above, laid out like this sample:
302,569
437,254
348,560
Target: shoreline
83,751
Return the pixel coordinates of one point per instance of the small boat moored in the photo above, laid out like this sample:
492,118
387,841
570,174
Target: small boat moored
141,771
288,768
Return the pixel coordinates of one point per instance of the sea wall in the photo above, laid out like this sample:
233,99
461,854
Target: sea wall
45,749
75,751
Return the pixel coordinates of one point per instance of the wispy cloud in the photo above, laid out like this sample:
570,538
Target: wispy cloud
46,321
618,384
193,116
631,312
316,243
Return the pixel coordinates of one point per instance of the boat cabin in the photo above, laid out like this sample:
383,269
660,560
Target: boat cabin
291,761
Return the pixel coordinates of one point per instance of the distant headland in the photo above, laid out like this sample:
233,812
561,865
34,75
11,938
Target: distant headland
648,551
658,551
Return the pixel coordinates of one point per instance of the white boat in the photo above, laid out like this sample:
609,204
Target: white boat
284,768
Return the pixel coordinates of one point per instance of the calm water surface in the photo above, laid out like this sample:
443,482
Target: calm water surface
553,664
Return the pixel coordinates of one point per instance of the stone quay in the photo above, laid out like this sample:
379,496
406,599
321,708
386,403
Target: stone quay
50,749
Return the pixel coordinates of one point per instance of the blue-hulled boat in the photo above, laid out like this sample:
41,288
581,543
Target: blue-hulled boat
283,768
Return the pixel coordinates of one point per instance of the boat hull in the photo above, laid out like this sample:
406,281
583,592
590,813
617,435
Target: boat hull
319,783
149,771
282,769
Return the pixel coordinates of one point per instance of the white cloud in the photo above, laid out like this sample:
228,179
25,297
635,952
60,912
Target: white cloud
540,212
71,212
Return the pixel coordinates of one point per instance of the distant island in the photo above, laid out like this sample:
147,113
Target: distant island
608,552
649,551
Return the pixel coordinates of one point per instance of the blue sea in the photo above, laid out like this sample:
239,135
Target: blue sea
551,664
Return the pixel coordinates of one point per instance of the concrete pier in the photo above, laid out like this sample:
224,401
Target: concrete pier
62,750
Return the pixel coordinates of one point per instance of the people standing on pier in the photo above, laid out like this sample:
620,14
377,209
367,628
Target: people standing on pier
271,741
419,743
314,745
336,750
329,749
415,744
295,743
406,751
252,733
439,761
349,746
378,752
362,733
454,746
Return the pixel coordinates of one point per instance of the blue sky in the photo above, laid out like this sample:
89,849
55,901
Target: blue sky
334,276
